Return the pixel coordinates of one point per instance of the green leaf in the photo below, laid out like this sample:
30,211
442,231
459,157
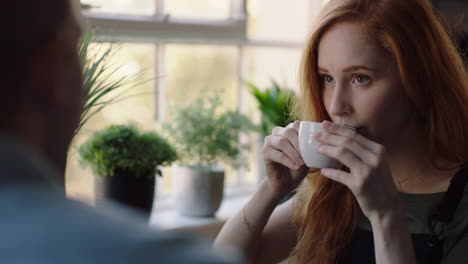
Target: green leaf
205,136
99,78
275,104
124,147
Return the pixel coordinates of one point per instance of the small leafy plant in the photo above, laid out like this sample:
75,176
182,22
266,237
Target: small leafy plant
205,137
125,148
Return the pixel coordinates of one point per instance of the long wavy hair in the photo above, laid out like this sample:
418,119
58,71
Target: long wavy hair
435,82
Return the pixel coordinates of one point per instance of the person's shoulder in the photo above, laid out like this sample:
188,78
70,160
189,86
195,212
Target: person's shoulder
121,228
53,229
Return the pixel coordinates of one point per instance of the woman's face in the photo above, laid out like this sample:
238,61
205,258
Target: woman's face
361,84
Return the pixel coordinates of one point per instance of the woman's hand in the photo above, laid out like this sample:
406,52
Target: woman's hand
369,178
284,166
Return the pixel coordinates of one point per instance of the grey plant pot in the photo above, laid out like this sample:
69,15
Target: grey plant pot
198,193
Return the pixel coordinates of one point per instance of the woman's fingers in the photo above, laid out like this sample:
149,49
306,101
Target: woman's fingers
344,156
349,143
280,157
350,133
285,145
337,175
291,132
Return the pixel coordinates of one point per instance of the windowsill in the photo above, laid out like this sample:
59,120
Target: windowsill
170,220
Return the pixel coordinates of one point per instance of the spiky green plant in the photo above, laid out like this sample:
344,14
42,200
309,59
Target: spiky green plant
99,77
275,104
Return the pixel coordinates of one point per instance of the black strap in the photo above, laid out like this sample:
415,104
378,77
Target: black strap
447,207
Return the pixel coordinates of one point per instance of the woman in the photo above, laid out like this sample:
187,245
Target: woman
387,68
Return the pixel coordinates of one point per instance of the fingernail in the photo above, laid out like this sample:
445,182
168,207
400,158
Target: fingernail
318,134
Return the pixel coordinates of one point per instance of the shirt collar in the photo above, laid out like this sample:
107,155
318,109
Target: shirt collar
21,165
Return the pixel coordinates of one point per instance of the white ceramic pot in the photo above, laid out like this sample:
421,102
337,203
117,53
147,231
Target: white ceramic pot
198,192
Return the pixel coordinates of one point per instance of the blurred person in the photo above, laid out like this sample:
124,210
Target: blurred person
389,69
40,109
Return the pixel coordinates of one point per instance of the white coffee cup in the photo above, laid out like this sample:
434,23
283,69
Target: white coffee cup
308,147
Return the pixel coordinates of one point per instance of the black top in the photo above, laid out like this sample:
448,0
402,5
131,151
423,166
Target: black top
421,210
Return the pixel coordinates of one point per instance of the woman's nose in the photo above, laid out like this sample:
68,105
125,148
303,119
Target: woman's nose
340,104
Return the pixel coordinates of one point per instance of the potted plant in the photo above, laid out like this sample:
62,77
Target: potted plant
275,104
101,81
128,161
277,108
207,139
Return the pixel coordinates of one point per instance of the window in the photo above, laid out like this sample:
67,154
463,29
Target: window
279,19
212,45
136,104
200,9
138,7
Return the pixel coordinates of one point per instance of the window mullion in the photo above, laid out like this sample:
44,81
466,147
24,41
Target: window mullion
159,82
238,9
241,106
159,7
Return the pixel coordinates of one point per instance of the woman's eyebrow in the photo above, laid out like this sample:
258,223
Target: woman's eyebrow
358,67
322,69
349,69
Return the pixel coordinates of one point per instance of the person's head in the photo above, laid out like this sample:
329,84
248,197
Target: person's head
360,83
41,74
409,76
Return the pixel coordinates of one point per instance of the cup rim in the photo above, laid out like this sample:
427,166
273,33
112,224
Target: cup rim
315,122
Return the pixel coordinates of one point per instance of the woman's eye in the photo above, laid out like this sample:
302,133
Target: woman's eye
327,78
361,79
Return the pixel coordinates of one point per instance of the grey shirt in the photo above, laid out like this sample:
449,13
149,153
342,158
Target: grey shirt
38,224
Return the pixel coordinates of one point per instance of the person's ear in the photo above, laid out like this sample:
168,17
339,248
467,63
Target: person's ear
48,73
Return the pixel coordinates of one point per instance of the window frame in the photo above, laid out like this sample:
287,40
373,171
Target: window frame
161,29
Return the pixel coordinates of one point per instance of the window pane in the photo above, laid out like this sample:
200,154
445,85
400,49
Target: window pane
281,20
194,70
280,64
200,9
136,104
263,65
137,7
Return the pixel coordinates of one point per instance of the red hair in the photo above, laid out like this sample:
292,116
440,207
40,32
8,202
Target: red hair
435,82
